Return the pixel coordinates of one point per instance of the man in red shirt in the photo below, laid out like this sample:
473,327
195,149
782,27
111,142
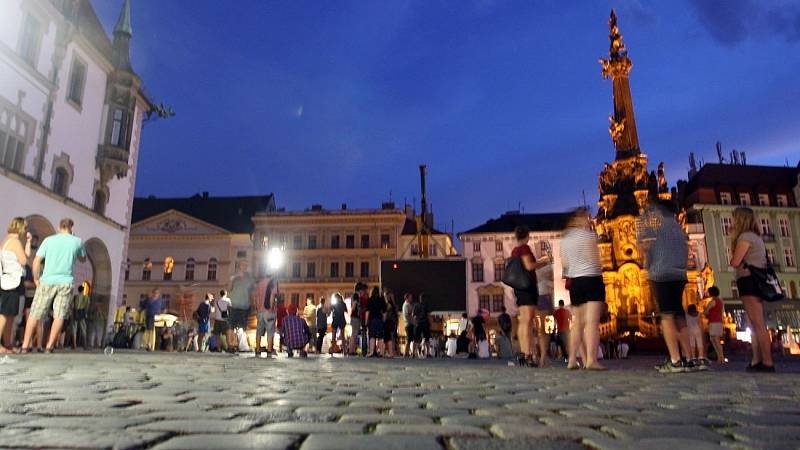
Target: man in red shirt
562,317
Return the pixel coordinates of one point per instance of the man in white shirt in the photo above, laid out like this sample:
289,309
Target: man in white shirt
222,329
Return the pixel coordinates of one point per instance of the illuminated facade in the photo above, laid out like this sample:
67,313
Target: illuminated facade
625,189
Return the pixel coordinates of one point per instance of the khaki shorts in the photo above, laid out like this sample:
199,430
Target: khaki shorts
59,296
715,329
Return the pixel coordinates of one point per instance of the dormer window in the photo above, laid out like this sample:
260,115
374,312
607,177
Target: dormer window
744,199
782,200
725,198
763,200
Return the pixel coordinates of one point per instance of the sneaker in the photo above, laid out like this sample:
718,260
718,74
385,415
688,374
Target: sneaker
702,364
691,366
670,367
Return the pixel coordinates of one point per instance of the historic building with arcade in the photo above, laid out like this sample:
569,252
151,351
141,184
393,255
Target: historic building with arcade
71,114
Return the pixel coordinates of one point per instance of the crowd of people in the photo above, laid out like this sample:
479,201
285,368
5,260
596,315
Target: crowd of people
53,314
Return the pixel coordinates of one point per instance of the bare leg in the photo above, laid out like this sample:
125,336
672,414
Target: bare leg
31,325
670,332
683,336
543,340
761,340
3,322
717,348
525,329
591,332
576,335
55,331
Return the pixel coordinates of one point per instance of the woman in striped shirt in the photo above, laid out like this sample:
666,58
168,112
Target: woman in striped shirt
580,259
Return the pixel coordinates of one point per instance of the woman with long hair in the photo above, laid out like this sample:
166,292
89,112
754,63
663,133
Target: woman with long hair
749,251
527,300
390,325
580,259
14,257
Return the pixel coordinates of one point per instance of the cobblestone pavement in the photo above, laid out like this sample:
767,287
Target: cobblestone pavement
173,401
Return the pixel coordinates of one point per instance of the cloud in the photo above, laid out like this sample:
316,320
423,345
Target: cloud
732,22
635,12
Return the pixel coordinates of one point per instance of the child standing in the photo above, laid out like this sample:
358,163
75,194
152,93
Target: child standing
714,312
696,343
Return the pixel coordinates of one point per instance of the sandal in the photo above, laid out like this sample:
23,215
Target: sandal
21,351
597,367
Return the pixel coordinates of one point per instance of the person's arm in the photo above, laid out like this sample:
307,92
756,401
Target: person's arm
16,249
82,254
742,246
37,268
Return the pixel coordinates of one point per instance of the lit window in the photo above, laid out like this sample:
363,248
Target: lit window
725,198
77,78
771,256
763,200
190,269
169,264
782,200
385,241
484,302
744,199
212,269
476,247
498,247
766,230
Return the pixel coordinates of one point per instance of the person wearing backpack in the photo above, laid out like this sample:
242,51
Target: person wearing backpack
13,258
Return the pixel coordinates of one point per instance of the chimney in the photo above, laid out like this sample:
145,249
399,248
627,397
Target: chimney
344,206
387,205
316,207
205,194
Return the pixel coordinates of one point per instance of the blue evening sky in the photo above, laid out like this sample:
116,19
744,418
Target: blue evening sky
340,101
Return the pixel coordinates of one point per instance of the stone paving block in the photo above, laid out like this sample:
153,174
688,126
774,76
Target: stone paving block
264,414
662,431
82,438
514,444
70,423
675,443
327,413
483,421
308,428
426,412
198,426
513,431
430,430
10,419
756,434
78,408
231,441
370,442
385,418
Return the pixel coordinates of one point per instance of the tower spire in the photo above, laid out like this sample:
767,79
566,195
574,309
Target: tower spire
122,38
622,124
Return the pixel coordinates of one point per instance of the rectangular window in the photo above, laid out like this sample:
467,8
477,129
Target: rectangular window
766,230
725,198
477,272
498,247
335,241
771,256
386,241
311,270
212,269
364,241
190,270
414,249
365,269
728,255
312,242
788,256
350,241
29,40
784,226
334,270
297,242
77,79
296,270
763,200
497,303
241,253
167,276
295,299
782,200
726,222
499,269
119,128
744,199
484,302
12,140
476,247
349,270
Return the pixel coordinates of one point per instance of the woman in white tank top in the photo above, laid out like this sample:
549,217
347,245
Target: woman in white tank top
14,257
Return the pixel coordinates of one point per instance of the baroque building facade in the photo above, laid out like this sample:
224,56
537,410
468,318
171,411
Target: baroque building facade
71,114
625,188
487,248
712,193
186,247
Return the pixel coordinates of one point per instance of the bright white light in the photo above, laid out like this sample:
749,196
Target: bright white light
275,258
744,336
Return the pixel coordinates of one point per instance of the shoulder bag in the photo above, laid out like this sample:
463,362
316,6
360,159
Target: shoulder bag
515,275
767,283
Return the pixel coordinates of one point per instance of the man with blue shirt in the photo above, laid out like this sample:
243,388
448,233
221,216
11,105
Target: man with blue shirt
54,286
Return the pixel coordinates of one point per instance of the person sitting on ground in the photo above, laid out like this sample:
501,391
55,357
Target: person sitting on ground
294,332
452,345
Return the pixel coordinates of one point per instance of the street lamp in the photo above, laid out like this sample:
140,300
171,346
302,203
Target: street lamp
275,258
